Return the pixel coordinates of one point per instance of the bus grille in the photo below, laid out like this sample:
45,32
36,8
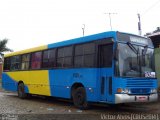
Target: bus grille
140,90
131,83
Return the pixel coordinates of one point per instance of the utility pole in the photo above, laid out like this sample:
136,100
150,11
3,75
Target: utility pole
83,28
139,24
110,19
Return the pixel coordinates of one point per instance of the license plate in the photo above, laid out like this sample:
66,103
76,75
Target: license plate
141,98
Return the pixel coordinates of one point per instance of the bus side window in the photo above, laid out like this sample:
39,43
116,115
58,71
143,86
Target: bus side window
89,54
25,62
7,63
68,53
36,60
84,55
105,54
78,57
49,60
15,63
64,57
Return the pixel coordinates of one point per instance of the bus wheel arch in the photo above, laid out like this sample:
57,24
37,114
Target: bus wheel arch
19,82
74,87
79,96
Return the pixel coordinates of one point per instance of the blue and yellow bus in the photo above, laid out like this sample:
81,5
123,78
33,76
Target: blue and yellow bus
110,67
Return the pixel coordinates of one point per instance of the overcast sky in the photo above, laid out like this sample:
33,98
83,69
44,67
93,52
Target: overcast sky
30,23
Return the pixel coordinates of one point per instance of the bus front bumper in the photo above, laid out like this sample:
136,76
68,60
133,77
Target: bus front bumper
125,98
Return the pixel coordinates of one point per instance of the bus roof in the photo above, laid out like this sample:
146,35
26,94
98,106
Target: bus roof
65,43
83,39
69,42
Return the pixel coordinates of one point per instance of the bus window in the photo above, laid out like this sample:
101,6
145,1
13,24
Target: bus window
25,62
7,64
36,60
78,61
78,57
49,60
89,60
15,63
64,58
106,52
67,62
84,55
89,48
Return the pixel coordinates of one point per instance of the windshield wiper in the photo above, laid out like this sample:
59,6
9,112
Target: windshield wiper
133,48
144,51
136,51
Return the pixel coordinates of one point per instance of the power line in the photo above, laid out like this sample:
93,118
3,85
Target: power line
152,6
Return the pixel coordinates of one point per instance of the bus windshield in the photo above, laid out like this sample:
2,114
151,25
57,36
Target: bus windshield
135,60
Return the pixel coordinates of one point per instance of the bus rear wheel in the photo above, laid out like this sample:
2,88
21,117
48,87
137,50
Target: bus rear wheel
21,91
79,98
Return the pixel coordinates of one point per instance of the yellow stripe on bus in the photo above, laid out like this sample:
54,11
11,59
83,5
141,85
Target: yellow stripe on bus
36,81
27,51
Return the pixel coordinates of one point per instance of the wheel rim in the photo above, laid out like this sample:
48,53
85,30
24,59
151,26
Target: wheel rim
20,90
80,98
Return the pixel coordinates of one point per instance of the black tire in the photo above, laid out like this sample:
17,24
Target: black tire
21,91
79,98
116,105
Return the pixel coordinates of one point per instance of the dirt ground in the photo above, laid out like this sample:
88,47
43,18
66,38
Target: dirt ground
13,108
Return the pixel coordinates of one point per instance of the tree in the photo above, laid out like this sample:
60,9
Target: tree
3,47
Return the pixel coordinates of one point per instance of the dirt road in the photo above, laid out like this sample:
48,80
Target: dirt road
49,108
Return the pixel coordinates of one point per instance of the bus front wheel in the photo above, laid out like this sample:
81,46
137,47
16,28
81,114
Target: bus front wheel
79,98
21,91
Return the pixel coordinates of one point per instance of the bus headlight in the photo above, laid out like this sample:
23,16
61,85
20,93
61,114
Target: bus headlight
153,90
123,90
126,90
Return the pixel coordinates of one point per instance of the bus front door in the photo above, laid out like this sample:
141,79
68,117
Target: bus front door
105,65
